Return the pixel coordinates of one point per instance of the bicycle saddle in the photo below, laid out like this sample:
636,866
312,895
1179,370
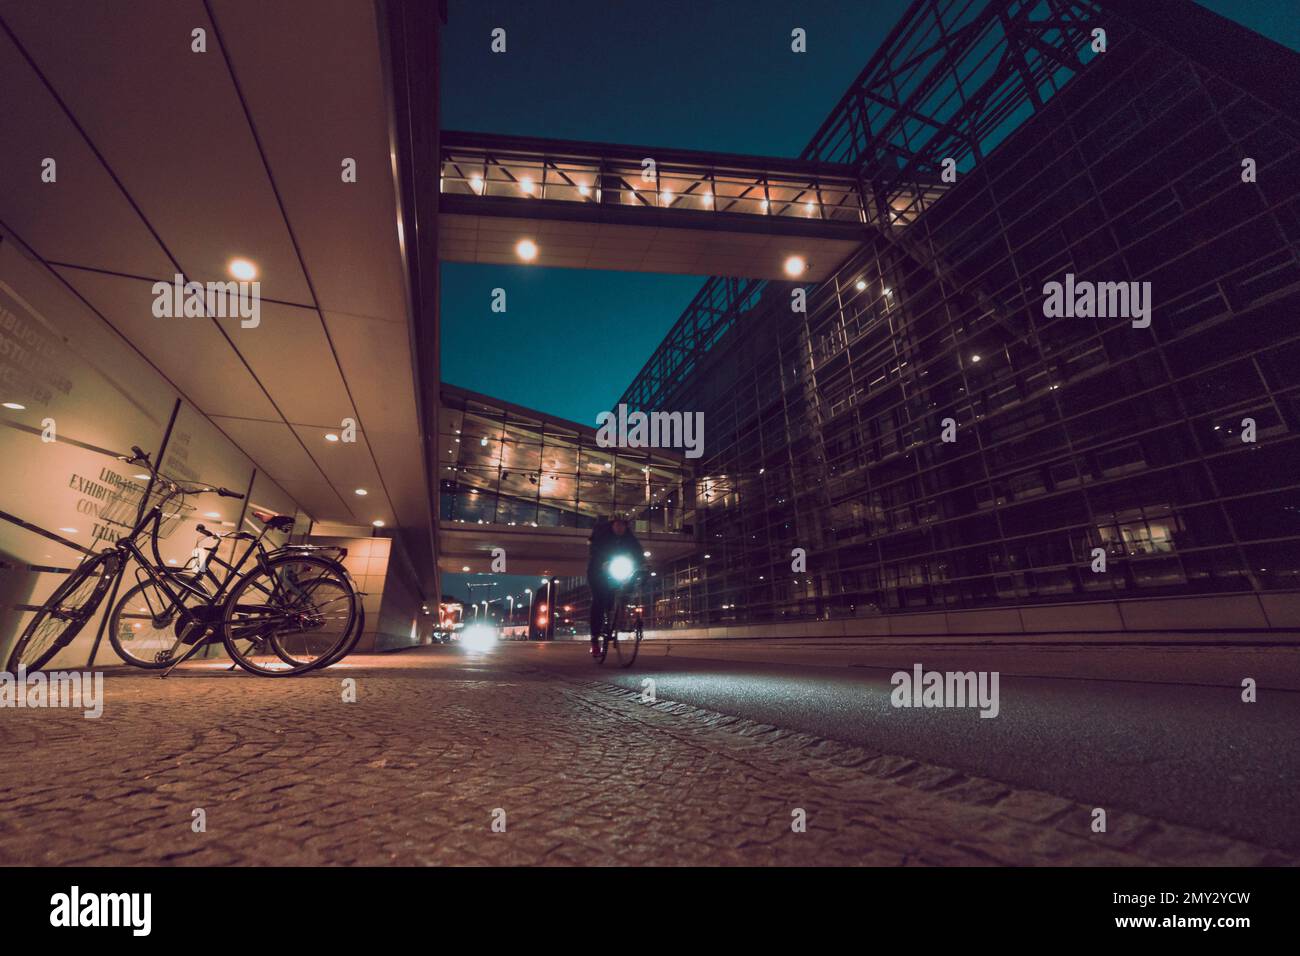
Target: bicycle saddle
274,521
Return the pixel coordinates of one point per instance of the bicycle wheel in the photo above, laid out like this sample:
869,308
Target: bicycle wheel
627,644
332,584
66,612
288,616
148,630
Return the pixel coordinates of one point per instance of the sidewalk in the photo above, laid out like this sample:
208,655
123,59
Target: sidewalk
438,743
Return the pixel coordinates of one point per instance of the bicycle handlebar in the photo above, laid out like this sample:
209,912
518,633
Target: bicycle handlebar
140,457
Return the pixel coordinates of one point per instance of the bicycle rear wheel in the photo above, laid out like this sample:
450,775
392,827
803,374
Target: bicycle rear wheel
289,616
330,585
66,612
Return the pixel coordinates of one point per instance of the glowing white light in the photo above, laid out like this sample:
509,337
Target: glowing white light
331,437
362,492
243,270
465,567
860,285
974,358
479,637
584,191
620,569
526,249
526,185
477,183
377,523
795,266
666,196
68,530
15,406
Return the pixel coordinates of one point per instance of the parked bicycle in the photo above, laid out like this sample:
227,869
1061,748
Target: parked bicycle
293,610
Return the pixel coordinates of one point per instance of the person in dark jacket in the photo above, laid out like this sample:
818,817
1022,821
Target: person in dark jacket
610,541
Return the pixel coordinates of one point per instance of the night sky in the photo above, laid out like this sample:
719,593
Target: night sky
694,74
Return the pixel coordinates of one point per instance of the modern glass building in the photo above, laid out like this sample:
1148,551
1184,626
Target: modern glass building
824,427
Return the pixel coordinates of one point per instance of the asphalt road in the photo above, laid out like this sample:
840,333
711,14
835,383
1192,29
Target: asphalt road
1185,753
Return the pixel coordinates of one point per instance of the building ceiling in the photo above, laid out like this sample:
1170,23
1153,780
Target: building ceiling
174,161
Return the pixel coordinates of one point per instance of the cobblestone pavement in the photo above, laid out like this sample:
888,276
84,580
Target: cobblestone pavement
438,744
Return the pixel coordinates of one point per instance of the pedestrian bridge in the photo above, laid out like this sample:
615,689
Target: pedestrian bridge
534,486
507,200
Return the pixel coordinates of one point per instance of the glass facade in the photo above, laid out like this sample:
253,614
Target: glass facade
823,428
505,465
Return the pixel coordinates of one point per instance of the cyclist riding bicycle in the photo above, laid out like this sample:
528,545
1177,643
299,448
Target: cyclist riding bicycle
615,559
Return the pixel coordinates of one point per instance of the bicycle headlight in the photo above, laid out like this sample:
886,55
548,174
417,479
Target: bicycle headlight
621,568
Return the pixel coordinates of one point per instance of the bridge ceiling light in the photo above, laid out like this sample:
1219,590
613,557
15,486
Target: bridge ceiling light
526,250
860,285
795,266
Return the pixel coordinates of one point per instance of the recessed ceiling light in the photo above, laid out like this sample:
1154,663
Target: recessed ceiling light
141,477
974,358
477,183
377,523
362,491
465,567
795,266
584,191
330,436
526,249
212,514
526,185
243,270
860,285
15,406
68,530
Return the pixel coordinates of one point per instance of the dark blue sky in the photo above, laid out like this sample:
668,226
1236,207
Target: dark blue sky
696,74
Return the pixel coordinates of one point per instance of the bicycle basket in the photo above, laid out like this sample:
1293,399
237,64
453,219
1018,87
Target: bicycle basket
121,508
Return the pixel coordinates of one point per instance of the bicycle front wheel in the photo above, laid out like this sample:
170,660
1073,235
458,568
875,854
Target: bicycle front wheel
66,612
288,616
627,644
149,630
